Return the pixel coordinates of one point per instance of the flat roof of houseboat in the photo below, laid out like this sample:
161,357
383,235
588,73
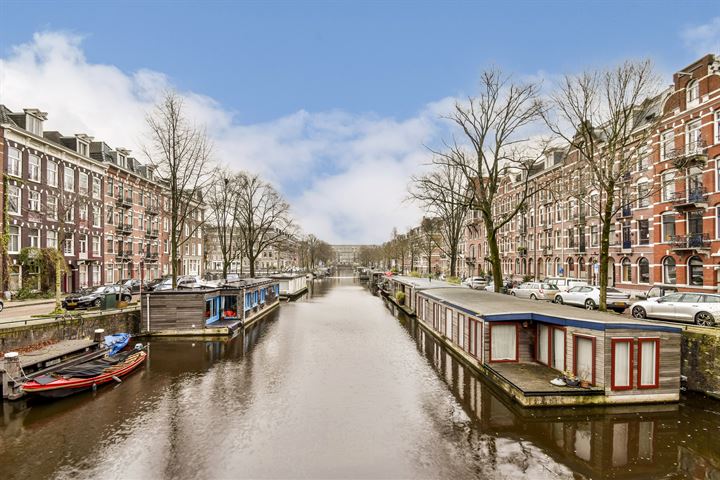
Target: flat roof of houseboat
498,307
423,283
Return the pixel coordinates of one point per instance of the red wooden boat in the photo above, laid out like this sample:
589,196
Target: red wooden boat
86,375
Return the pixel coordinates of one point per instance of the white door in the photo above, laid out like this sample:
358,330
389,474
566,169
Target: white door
584,358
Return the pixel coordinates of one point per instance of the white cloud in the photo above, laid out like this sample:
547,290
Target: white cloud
703,39
346,175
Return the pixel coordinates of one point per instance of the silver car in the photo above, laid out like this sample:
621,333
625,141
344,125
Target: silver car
535,291
699,308
589,297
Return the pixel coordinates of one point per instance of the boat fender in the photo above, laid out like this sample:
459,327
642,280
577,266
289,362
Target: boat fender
94,388
116,379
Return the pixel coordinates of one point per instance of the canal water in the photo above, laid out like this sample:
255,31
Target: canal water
337,385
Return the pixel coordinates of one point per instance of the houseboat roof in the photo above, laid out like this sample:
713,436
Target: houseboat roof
494,307
423,283
287,276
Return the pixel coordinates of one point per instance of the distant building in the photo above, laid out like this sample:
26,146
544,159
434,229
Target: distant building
347,254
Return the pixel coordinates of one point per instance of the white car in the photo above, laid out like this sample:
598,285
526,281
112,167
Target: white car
475,282
565,283
699,308
589,297
188,281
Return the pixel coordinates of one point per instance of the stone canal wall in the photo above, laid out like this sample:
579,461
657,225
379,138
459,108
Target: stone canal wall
126,320
701,359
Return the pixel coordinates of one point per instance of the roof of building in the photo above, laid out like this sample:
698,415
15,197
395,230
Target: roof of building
497,307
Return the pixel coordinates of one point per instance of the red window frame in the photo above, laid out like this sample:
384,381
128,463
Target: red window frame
537,343
473,339
517,342
613,342
594,353
551,355
656,341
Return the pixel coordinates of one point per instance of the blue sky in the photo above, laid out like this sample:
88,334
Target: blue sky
325,91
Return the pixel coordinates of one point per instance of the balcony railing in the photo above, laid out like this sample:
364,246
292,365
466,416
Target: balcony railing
151,256
626,244
694,153
124,253
693,241
153,233
691,197
152,210
124,201
123,228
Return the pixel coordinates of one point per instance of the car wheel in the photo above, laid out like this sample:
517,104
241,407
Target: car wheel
639,312
533,297
704,319
589,304
97,303
1,306
558,300
512,293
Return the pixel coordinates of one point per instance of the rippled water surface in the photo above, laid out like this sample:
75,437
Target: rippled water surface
335,385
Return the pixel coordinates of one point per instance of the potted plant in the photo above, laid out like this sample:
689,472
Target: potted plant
584,382
570,379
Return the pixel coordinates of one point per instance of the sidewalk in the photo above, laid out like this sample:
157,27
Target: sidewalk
28,303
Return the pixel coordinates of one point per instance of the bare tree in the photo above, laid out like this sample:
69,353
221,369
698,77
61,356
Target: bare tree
264,217
607,118
443,194
62,208
429,239
180,151
223,201
494,126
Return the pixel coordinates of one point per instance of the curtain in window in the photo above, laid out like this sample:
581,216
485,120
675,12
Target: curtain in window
448,323
648,358
543,333
504,342
622,364
584,355
558,349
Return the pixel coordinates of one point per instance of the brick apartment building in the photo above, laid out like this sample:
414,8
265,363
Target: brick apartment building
670,237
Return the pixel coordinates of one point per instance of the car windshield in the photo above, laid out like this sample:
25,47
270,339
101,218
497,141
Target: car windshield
613,290
549,286
99,290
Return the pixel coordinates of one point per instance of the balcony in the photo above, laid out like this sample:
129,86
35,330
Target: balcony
690,200
695,242
470,260
152,233
152,210
123,229
124,201
625,212
694,155
151,257
124,254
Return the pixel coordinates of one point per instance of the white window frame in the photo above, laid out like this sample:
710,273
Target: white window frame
84,183
51,239
34,200
14,162
68,186
96,188
96,246
34,164
693,136
34,239
51,171
692,94
667,143
16,192
97,216
69,242
18,237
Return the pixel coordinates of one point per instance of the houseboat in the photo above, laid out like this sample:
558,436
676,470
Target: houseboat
292,285
208,311
521,345
410,287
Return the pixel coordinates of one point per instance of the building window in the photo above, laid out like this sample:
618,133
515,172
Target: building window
96,246
14,240
644,231
693,140
668,227
69,245
51,239
84,183
667,144
669,271
34,168
34,236
622,352
644,270
648,363
14,162
668,186
51,172
34,201
83,212
14,199
33,125
626,270
717,221
69,214
692,93
695,271
68,179
109,245
96,274
717,127
643,193
52,207
503,342
82,148
594,236
97,216
96,188
83,244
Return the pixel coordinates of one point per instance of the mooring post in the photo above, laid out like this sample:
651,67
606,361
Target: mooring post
99,335
10,371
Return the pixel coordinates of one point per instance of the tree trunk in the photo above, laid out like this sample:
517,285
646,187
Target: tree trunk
58,280
605,254
453,261
495,260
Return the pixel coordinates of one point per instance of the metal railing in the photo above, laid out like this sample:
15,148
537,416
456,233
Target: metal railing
695,195
693,240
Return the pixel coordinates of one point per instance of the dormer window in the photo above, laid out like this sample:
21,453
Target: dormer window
33,125
121,160
692,93
82,148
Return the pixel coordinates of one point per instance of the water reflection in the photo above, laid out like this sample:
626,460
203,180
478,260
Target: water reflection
650,441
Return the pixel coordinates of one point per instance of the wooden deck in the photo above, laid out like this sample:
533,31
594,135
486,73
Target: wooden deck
533,379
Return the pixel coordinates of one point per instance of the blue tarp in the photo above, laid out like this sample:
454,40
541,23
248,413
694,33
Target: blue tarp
116,342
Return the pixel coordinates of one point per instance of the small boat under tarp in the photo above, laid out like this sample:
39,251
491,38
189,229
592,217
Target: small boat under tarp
86,375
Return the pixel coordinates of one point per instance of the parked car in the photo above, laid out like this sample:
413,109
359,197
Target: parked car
475,282
2,305
93,297
656,291
565,283
535,291
133,284
699,308
154,283
589,297
185,281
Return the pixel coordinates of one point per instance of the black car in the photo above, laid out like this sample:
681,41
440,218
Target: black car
93,297
150,286
133,284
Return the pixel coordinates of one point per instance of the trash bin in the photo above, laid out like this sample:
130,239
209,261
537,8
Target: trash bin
110,301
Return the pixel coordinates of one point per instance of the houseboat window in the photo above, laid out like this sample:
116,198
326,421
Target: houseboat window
584,355
543,344
474,335
558,349
503,343
621,364
669,271
648,363
230,309
448,323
